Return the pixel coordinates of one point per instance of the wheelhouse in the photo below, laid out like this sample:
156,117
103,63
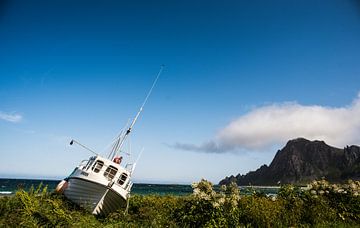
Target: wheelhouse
106,170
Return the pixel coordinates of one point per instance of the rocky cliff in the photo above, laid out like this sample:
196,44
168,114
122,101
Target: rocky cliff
302,161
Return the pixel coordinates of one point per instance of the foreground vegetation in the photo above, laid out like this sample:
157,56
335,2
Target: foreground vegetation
321,205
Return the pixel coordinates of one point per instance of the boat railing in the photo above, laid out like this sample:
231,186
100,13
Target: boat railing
128,187
83,163
129,167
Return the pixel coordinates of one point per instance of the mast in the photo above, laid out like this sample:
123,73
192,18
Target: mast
119,143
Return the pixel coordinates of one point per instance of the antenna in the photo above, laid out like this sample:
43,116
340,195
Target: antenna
74,141
133,168
121,142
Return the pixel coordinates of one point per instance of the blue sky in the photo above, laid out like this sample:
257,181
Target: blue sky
236,71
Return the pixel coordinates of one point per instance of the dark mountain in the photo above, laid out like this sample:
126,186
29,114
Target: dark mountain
302,161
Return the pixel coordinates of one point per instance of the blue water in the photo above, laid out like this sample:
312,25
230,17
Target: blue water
10,186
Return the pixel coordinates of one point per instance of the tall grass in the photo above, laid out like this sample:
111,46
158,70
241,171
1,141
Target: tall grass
321,205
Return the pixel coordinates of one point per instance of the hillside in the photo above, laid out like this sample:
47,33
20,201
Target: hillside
302,161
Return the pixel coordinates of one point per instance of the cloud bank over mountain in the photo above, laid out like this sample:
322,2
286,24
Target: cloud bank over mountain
268,125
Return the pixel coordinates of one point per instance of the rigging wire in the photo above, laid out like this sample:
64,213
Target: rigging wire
121,141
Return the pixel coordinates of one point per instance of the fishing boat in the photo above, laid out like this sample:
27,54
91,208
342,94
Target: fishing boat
102,184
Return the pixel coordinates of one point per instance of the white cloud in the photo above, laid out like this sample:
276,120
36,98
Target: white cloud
14,118
265,126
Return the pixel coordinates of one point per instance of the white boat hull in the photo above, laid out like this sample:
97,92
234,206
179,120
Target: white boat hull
94,197
101,186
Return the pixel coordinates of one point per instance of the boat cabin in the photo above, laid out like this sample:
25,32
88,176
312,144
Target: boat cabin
105,171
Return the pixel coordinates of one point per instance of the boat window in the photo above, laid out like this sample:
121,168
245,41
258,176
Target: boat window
97,166
122,178
110,172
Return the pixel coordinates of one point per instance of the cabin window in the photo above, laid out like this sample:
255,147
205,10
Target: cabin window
97,166
110,172
122,178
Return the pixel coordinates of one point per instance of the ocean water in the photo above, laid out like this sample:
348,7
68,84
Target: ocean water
10,186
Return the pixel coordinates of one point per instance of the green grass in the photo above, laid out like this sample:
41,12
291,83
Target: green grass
322,205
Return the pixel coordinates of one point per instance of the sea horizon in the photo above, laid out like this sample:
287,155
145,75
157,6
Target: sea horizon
59,178
9,186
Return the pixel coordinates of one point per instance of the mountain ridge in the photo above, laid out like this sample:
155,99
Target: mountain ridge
301,161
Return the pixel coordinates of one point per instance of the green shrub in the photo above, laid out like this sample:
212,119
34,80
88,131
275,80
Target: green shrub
260,211
319,205
37,207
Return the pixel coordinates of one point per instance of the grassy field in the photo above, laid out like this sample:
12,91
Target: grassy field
322,205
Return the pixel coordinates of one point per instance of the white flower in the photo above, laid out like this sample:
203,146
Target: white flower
221,200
